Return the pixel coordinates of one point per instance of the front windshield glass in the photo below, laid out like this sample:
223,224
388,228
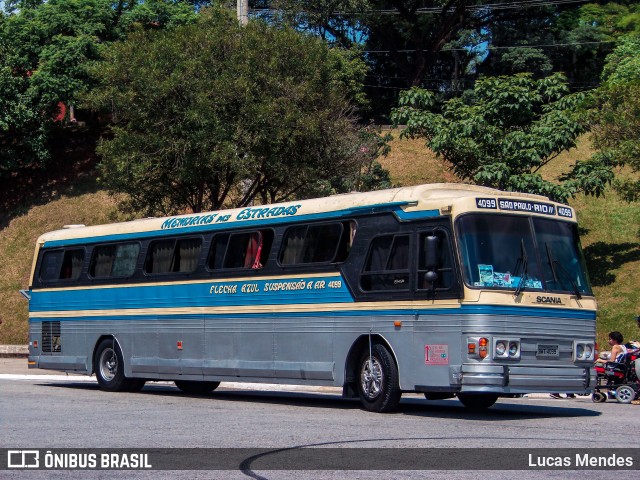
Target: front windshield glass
516,252
562,261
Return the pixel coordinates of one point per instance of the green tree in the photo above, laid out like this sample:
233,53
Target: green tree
213,114
505,130
616,114
45,48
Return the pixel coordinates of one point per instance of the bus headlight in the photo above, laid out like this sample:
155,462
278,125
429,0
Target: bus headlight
506,348
583,350
588,352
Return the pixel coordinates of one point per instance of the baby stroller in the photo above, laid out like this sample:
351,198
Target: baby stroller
619,380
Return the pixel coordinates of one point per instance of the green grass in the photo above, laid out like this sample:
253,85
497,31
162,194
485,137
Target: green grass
610,237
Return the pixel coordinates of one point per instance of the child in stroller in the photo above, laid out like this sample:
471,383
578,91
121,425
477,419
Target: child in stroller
618,378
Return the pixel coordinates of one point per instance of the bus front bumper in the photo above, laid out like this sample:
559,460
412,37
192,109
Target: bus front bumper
526,379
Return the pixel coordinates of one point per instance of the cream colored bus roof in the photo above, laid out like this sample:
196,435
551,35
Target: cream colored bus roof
414,198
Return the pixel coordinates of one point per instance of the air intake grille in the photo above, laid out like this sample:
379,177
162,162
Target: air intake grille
51,337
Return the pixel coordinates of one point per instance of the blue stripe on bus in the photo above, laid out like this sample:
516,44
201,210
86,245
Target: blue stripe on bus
463,310
304,291
377,208
417,215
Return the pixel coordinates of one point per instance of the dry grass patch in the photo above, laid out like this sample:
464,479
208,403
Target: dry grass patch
17,244
410,162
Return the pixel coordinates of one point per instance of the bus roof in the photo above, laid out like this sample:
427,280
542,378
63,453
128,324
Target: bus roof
436,198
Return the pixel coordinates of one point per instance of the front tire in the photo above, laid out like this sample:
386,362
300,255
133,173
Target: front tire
477,402
109,368
196,388
378,380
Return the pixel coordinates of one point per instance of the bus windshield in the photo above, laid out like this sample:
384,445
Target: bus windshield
518,252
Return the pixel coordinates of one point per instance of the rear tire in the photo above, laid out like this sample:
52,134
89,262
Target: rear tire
378,380
109,368
625,394
196,388
480,401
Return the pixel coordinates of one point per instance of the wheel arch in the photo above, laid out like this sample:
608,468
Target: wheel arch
349,389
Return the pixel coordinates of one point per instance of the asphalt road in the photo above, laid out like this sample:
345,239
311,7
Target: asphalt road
44,411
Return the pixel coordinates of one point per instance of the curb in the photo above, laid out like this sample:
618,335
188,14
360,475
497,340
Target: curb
14,351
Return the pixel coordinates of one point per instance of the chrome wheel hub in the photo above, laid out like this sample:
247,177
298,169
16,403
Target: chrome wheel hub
371,378
108,364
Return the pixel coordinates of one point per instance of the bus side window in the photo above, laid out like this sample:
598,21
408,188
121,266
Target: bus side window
243,250
318,243
72,264
159,257
114,260
50,266
186,255
387,264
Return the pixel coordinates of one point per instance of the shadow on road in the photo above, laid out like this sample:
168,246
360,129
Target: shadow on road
504,410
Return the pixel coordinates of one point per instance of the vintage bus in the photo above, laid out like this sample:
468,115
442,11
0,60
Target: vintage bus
445,289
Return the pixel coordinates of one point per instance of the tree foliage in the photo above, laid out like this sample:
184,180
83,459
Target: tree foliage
504,131
616,114
45,49
213,114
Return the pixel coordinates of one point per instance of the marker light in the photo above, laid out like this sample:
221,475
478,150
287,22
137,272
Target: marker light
513,349
483,347
500,348
35,344
471,347
580,351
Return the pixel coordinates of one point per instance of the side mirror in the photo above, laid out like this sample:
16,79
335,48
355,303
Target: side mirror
431,252
431,260
430,277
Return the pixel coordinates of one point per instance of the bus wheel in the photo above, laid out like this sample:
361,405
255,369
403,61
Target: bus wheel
196,388
480,401
109,367
378,382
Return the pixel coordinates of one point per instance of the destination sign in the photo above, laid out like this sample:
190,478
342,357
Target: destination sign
526,206
523,206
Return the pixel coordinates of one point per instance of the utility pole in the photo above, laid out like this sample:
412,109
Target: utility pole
242,10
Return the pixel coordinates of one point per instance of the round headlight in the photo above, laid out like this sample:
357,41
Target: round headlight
588,351
500,348
580,350
513,349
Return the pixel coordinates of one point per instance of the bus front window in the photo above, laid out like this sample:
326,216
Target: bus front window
518,252
563,264
498,251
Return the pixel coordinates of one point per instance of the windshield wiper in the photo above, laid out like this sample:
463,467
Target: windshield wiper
553,263
524,262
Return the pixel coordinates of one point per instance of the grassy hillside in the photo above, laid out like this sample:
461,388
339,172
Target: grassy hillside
610,236
18,239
